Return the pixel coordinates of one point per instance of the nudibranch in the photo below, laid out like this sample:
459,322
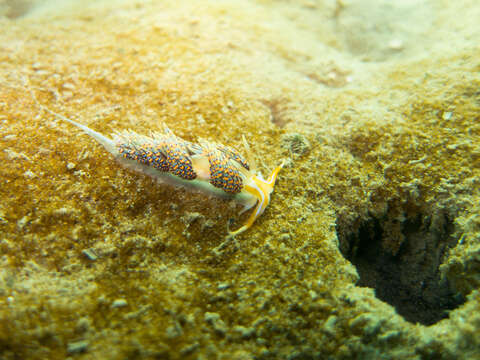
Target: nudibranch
209,167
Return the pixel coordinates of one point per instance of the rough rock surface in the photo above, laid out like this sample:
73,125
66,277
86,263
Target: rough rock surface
370,247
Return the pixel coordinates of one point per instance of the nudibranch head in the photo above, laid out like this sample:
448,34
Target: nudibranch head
260,189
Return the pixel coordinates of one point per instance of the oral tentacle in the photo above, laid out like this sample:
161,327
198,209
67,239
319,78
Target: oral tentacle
261,189
273,176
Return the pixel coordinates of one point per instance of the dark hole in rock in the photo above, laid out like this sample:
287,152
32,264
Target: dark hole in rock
407,277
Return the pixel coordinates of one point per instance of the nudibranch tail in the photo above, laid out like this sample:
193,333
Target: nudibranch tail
107,143
261,190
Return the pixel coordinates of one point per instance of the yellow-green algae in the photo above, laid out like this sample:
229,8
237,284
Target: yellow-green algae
100,262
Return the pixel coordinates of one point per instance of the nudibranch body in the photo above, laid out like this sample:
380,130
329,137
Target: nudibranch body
212,168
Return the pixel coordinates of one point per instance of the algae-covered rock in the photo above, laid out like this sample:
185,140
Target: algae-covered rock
370,247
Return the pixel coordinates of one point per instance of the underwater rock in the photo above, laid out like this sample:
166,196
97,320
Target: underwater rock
370,245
